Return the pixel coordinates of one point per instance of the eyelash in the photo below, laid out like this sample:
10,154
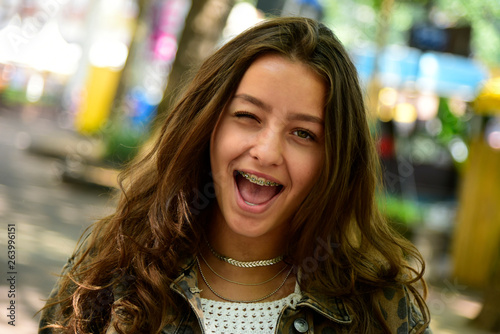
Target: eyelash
242,114
245,114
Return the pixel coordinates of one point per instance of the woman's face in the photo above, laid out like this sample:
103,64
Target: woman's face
267,149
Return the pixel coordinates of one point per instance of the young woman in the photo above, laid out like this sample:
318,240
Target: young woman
254,211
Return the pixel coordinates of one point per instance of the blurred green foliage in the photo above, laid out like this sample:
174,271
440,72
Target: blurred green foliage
122,141
452,125
355,22
15,97
398,210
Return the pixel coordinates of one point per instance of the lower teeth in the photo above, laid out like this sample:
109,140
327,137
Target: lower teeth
251,204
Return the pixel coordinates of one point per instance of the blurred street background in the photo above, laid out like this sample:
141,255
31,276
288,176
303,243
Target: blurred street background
83,81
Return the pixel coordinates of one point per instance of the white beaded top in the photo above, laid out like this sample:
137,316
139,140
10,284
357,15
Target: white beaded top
236,318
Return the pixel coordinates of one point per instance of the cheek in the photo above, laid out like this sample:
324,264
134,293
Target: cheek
217,162
222,150
228,143
217,143
307,174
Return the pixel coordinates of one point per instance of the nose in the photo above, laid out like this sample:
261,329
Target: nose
267,148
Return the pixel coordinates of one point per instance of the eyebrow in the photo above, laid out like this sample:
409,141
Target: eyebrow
293,117
306,118
255,101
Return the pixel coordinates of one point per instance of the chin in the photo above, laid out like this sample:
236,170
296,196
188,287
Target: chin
255,228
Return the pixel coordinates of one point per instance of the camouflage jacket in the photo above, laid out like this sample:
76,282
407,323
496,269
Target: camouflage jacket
314,313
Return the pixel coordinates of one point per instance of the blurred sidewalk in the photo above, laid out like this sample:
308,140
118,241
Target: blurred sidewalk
452,308
49,215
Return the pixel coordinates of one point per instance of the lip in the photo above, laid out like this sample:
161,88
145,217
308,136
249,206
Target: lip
259,208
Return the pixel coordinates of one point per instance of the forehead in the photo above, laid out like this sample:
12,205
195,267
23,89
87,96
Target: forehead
283,83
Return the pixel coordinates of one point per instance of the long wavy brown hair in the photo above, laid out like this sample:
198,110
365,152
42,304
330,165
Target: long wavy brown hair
166,195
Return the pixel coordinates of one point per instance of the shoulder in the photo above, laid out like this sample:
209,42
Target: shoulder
401,310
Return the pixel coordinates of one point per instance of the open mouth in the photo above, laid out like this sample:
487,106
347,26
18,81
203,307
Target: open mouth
256,190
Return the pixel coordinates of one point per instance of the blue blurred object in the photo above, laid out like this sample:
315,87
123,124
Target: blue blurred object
143,111
312,3
453,74
444,73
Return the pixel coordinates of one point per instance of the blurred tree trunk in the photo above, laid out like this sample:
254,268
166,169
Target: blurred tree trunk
489,317
136,35
203,27
476,249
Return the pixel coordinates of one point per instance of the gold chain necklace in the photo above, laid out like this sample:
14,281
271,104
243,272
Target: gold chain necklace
241,301
244,264
240,283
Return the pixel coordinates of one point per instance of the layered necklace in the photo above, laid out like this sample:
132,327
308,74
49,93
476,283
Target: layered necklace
242,264
245,264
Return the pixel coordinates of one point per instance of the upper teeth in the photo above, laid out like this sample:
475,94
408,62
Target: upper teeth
258,180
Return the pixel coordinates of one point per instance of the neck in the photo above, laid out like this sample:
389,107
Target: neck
244,248
243,283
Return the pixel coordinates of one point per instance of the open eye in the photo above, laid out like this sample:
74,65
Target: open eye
304,134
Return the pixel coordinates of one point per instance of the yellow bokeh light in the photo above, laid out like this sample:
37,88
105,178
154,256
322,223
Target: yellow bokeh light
388,96
488,101
384,113
405,113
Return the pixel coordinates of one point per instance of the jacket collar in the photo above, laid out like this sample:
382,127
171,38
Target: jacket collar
332,308
186,285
